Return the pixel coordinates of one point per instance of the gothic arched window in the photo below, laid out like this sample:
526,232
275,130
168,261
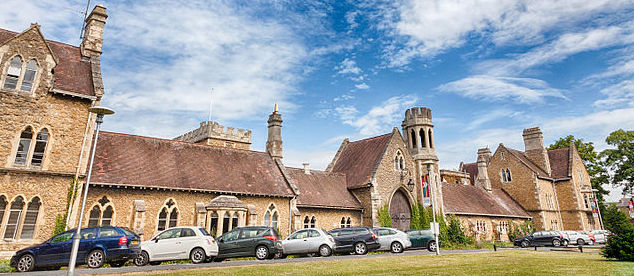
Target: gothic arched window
306,222
13,74
313,221
101,213
30,219
40,148
343,222
348,223
414,139
234,221
168,216
23,146
29,76
3,206
15,214
431,144
508,175
398,161
271,216
503,176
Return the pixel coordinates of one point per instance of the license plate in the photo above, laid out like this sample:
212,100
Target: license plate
134,242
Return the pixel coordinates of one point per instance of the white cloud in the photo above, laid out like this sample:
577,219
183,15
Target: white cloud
351,19
318,160
490,115
488,88
362,86
380,118
424,28
619,94
348,66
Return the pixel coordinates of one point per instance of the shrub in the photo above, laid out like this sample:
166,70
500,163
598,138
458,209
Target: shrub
620,246
60,224
521,230
385,220
455,231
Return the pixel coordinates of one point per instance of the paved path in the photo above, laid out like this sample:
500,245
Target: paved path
169,267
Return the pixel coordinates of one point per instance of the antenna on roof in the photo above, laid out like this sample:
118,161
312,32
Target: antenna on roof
211,96
83,23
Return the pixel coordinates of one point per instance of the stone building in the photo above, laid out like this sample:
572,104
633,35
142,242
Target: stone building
553,186
46,88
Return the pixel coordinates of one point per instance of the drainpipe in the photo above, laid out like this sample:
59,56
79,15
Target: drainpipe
290,215
81,156
558,208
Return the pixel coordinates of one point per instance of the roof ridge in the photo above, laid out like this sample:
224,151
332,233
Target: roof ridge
319,171
514,152
47,40
370,138
180,142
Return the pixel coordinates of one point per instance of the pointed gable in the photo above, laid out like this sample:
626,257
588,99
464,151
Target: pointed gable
527,162
322,189
71,72
560,162
360,159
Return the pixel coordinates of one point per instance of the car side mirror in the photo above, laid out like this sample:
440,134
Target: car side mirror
156,240
220,239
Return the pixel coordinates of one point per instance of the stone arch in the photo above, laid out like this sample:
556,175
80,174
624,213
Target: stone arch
400,208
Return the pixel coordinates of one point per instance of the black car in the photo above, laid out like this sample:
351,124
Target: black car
252,241
539,238
358,240
98,245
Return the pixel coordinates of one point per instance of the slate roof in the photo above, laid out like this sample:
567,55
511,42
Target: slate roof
71,73
359,159
559,162
468,199
130,160
322,189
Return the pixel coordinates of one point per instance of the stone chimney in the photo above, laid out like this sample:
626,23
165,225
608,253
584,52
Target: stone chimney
93,32
483,181
534,148
274,140
306,168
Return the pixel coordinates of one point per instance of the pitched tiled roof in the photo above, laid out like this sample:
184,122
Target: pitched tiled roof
472,170
559,162
524,159
360,159
321,188
467,199
71,73
123,159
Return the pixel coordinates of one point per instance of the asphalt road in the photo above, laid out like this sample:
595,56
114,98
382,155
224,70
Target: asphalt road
174,267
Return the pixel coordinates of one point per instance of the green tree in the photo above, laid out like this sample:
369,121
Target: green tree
591,159
615,220
620,246
620,159
385,220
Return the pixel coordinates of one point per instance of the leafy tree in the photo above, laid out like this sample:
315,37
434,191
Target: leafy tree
385,220
591,159
621,159
616,221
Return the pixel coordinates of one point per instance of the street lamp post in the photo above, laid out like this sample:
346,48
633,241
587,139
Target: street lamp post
100,111
433,212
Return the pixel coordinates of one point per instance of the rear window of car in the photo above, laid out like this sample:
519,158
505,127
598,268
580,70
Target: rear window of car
334,233
205,233
186,232
128,232
361,231
250,233
108,232
313,233
87,234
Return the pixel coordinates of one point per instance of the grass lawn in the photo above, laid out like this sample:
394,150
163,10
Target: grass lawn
501,262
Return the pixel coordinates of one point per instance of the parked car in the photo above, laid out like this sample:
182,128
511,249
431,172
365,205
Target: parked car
179,243
565,239
98,245
422,238
359,240
539,238
579,237
392,239
601,236
251,241
309,241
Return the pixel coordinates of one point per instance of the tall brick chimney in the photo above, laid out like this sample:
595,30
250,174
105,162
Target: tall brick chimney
274,140
93,32
535,149
483,181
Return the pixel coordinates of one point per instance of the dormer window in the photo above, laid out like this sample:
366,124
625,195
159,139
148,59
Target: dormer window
13,74
19,76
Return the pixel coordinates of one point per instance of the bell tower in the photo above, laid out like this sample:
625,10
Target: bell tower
418,134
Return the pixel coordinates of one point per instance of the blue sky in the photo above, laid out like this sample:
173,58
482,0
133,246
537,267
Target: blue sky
487,69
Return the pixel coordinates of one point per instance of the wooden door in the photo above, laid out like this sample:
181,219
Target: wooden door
400,211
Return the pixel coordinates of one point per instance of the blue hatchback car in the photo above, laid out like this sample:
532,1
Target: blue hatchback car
98,245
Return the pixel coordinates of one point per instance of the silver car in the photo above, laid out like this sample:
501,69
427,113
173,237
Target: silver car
392,239
601,236
309,241
579,237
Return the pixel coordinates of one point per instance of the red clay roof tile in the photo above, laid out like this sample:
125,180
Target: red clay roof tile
468,199
361,158
320,188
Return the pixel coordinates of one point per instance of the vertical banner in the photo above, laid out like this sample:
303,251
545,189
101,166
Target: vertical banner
595,209
426,191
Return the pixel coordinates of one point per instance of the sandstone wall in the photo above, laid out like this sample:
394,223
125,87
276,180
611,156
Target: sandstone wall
329,219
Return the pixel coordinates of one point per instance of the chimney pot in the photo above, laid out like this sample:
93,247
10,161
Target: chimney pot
306,168
93,32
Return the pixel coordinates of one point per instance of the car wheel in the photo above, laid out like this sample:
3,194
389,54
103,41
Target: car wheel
564,243
556,242
117,264
26,263
431,246
261,252
581,242
525,244
396,247
95,259
325,250
360,248
197,255
142,259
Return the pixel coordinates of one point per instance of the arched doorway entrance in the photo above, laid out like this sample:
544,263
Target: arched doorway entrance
400,211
